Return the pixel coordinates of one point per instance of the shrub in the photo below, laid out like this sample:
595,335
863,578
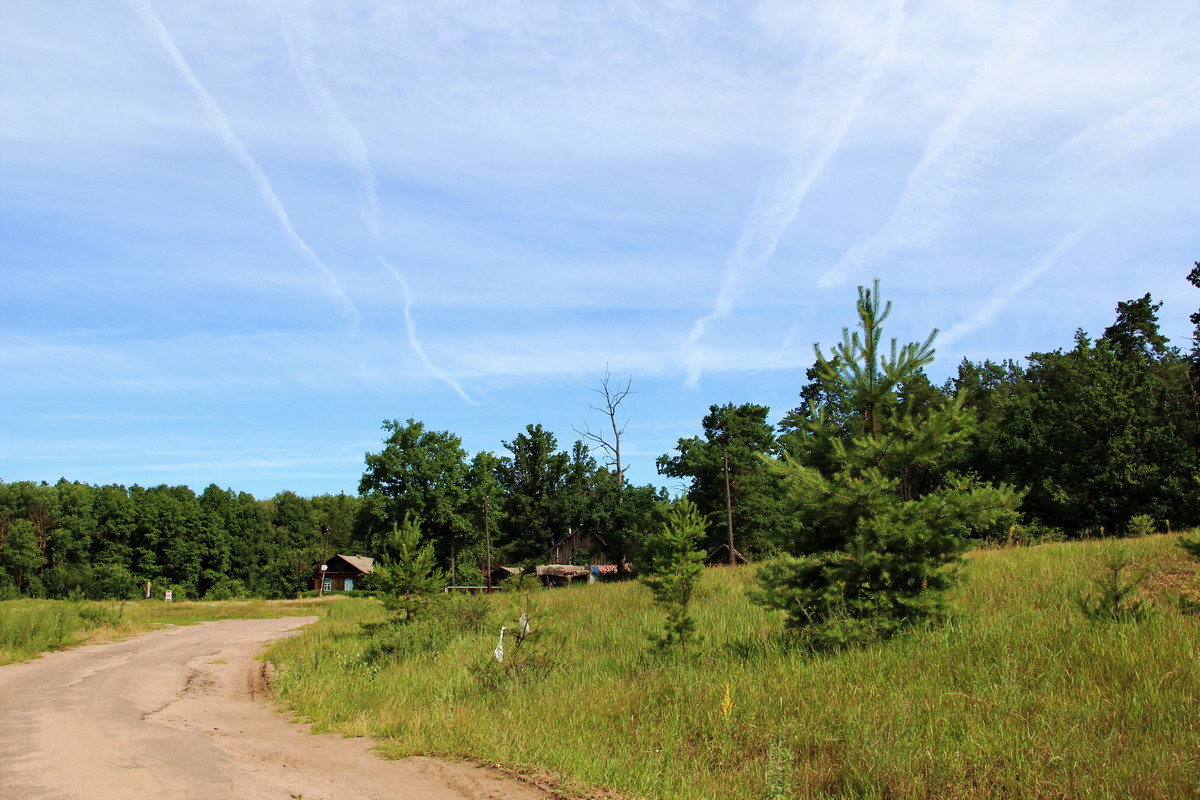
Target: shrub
1141,525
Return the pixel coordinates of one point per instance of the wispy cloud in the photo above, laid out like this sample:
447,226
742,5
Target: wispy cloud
353,147
948,161
333,290
779,200
1007,293
1155,120
1113,140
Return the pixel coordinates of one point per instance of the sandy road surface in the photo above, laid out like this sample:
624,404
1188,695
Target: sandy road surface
178,714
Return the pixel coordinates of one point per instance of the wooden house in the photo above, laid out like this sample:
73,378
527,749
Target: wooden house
344,573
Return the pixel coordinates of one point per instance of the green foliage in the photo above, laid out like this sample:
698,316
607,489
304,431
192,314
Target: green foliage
521,584
671,566
1100,433
20,556
446,619
534,478
529,656
418,472
406,571
739,436
1111,597
881,525
1141,525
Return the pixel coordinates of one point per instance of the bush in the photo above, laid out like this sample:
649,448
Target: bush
528,658
1141,525
446,619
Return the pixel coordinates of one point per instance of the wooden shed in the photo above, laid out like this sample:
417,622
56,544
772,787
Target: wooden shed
720,557
590,544
564,574
344,573
501,574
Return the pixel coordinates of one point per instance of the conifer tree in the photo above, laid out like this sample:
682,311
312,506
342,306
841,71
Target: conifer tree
407,572
671,566
880,525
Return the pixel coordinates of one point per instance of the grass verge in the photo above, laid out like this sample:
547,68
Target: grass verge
30,627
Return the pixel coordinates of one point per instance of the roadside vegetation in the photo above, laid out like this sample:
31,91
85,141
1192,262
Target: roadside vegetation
1018,694
31,627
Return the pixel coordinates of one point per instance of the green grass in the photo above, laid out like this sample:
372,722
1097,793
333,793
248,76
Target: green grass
1017,696
30,627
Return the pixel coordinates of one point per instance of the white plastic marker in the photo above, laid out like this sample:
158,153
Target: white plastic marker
499,651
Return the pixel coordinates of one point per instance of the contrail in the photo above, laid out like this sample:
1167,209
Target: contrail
776,208
1001,299
151,20
411,326
944,164
1152,121
354,150
1146,124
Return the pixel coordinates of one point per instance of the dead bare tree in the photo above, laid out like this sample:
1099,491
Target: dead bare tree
614,395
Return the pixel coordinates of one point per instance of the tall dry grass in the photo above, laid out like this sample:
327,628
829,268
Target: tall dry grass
1017,695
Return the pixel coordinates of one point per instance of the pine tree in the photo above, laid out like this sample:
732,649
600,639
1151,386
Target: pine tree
671,566
881,526
407,572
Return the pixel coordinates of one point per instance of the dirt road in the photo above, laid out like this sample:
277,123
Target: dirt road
179,714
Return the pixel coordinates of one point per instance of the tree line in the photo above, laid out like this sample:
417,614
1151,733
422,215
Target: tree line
1094,436
1070,442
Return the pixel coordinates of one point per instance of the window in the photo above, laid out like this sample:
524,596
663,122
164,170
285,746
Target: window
328,585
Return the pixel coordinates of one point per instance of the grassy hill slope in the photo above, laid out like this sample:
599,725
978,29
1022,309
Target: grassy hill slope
1018,696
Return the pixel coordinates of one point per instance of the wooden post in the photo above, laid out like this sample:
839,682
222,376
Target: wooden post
728,507
487,535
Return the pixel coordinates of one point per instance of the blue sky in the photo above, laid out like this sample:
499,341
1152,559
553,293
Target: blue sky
235,237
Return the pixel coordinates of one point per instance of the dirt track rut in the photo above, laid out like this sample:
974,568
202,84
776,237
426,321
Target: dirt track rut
179,713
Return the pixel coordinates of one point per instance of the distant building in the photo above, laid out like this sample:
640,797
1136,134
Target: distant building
344,573
501,574
591,547
720,557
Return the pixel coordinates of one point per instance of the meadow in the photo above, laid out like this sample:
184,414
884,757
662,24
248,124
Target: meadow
1016,695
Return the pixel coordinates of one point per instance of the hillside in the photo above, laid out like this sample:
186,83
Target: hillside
1017,695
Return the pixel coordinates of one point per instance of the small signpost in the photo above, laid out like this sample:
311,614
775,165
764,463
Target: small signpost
321,588
147,590
167,595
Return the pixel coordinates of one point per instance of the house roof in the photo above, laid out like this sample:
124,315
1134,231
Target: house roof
361,563
721,556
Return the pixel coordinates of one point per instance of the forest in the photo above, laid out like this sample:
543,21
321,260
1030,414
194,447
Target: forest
1101,439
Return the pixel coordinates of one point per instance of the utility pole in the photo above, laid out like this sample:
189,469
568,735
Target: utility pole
487,535
728,507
